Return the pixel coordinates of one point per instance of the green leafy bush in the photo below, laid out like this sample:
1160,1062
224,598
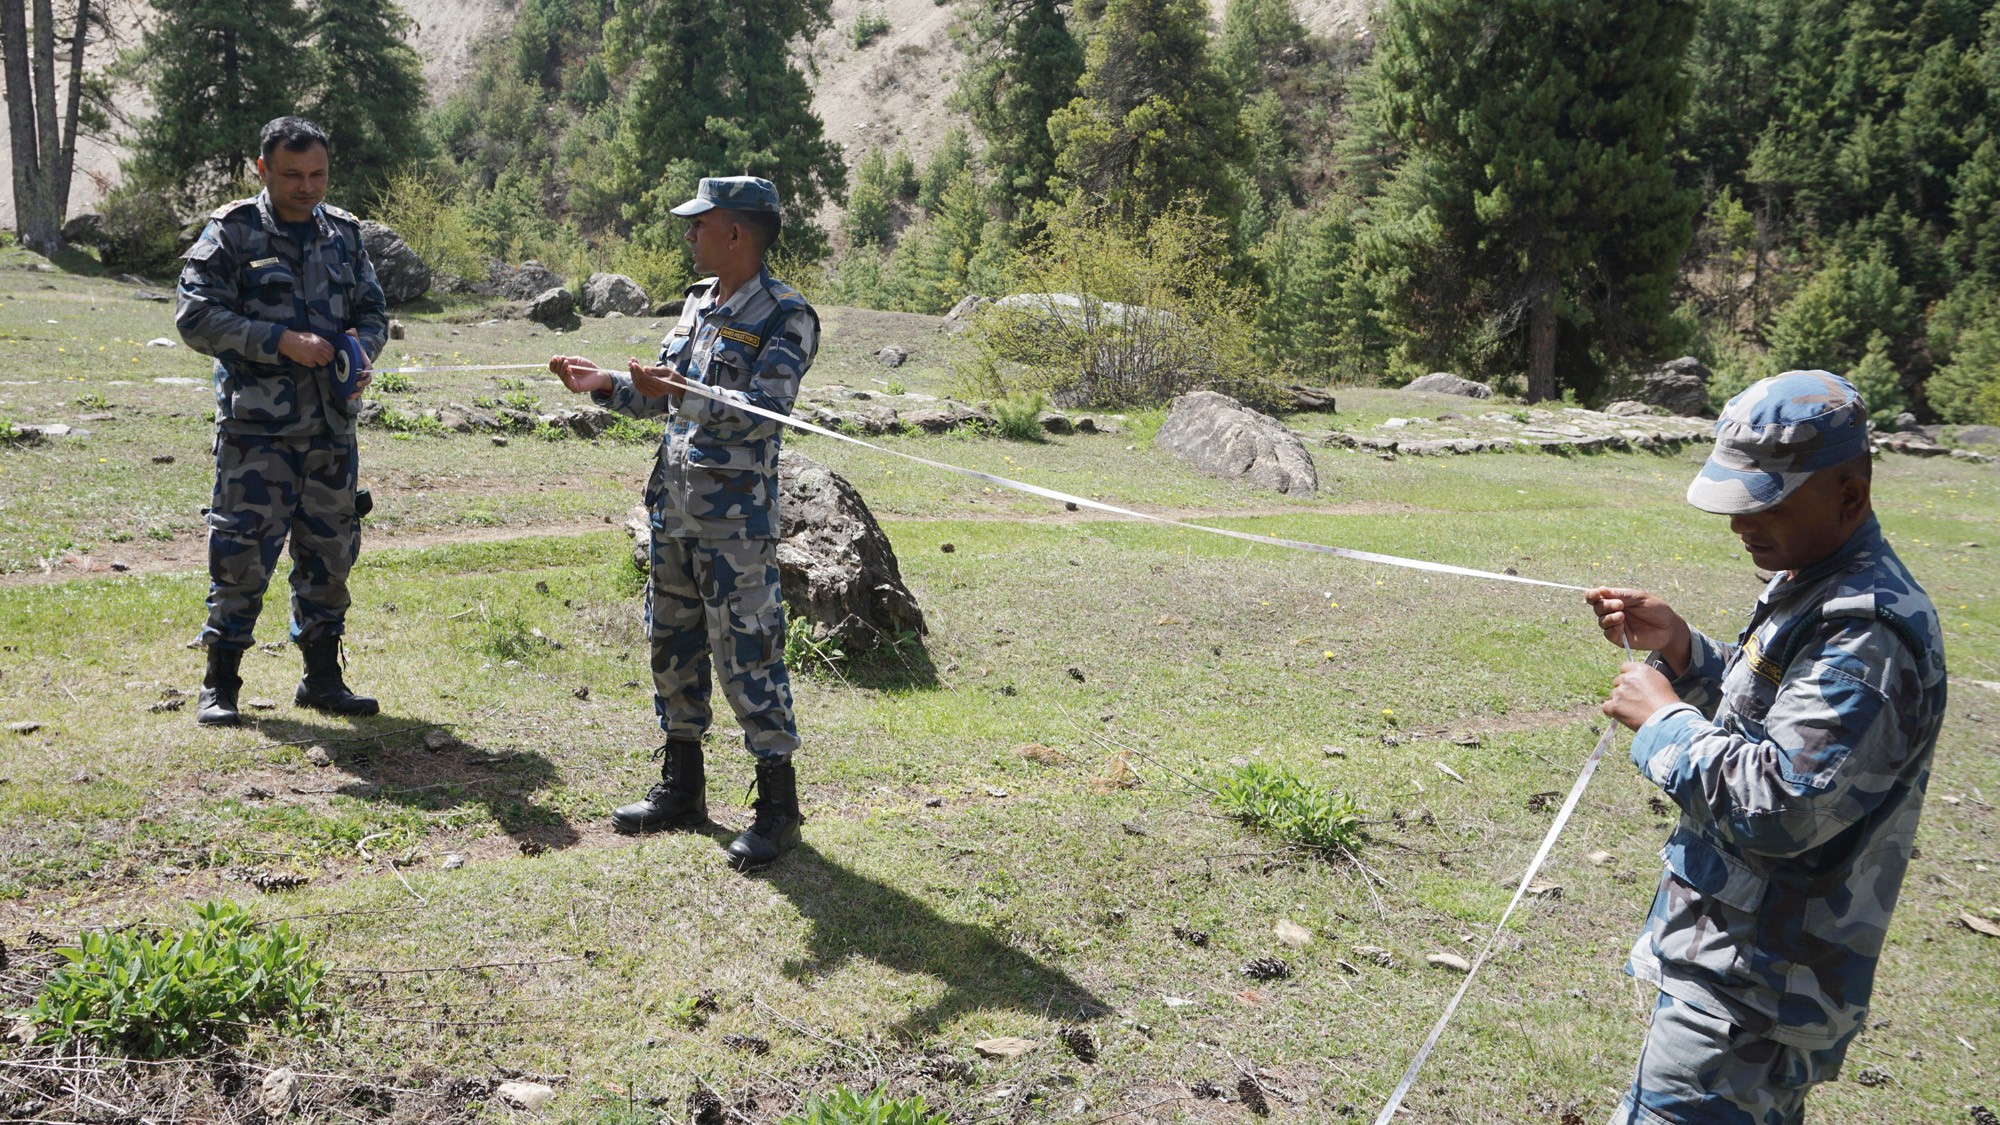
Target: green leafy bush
1020,416
1273,799
808,655
178,992
438,224
139,232
95,400
394,383
845,1107
397,422
868,27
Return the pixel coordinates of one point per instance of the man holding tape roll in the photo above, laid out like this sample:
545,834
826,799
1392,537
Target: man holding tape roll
713,496
1798,757
268,289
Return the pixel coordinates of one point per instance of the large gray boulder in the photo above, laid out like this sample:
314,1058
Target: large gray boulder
522,282
403,274
836,567
1221,436
1445,383
1678,386
553,308
608,293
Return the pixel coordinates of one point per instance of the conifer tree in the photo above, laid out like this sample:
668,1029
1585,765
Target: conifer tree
1024,65
369,95
1536,192
1155,119
716,86
216,70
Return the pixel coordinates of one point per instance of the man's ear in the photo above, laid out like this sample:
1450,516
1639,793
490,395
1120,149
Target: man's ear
261,173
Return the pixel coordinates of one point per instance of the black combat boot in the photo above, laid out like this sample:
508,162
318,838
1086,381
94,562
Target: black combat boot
219,685
323,689
776,829
678,800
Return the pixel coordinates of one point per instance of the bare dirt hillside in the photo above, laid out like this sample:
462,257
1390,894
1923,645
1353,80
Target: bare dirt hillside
891,92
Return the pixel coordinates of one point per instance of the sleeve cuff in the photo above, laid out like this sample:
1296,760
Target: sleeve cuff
1661,743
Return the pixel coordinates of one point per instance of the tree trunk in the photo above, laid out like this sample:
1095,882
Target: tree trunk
1542,338
66,155
34,219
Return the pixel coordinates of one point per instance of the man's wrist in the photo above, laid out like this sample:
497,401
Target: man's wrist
1678,653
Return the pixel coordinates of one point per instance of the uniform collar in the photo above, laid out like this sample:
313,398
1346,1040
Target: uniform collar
276,225
1866,540
754,285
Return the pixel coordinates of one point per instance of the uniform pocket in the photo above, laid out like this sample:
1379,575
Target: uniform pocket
1797,1068
1711,909
269,395
756,629
269,291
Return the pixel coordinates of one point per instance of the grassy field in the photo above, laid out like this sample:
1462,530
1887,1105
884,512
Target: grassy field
1006,834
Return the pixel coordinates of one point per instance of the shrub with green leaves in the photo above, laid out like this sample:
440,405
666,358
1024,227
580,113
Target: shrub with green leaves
870,26
155,994
806,654
1019,417
845,1107
1275,800
394,383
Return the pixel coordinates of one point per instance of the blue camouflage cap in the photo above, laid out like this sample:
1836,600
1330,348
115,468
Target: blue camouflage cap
1774,435
731,193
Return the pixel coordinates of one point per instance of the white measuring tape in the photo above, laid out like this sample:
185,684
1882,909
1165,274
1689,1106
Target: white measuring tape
1038,490
1548,841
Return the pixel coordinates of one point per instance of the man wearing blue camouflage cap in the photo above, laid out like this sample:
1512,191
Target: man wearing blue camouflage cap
746,338
1798,757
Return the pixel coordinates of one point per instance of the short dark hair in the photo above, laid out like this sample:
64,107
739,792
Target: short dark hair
294,134
762,225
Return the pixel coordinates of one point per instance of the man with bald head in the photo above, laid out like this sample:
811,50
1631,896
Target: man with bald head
1798,756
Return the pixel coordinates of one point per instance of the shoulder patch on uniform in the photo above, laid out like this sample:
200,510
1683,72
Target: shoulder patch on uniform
747,339
231,207
344,216
700,287
202,250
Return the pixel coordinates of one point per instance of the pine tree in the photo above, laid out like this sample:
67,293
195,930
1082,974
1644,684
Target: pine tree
717,86
370,93
1536,190
1155,120
1259,39
1024,65
216,70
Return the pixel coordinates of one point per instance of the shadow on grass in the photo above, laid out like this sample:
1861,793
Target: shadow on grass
855,916
908,669
388,751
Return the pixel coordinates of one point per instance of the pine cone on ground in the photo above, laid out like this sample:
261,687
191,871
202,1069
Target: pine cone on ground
1196,938
704,1108
1268,968
749,1043
1252,1094
1081,1043
1206,1089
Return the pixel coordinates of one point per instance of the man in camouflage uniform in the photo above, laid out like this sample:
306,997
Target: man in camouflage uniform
713,496
1798,757
264,290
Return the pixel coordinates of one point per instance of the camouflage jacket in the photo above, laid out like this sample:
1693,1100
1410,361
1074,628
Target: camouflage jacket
245,282
717,472
1798,757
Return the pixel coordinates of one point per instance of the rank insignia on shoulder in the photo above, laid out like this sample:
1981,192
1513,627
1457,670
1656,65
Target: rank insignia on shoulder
747,339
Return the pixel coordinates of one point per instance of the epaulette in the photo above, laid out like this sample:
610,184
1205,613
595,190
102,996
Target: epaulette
226,209
345,216
701,288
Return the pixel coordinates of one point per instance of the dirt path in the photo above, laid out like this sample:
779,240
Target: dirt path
180,556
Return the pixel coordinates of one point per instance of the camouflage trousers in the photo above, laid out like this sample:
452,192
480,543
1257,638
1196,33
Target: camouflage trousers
720,597
269,490
1700,1069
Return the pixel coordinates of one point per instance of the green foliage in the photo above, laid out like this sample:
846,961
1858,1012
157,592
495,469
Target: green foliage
215,71
94,400
1113,317
138,232
808,655
1153,119
867,222
1019,417
1534,180
960,249
953,157
626,428
1273,799
393,383
1022,66
868,27
845,1107
1829,323
507,634
1880,384
1318,312
1260,38
1967,389
399,423
179,992
368,94
434,219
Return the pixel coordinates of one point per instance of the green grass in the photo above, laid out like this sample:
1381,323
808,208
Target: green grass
995,846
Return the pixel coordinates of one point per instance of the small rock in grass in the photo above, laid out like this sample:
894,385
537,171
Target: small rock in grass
1450,961
280,1090
319,757
25,728
438,739
453,861
1375,953
1004,1047
1599,859
161,342
1292,935
263,705
525,1095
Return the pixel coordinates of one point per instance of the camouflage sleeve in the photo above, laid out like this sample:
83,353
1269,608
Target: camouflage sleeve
622,398
1701,685
1834,742
371,309
781,365
205,306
